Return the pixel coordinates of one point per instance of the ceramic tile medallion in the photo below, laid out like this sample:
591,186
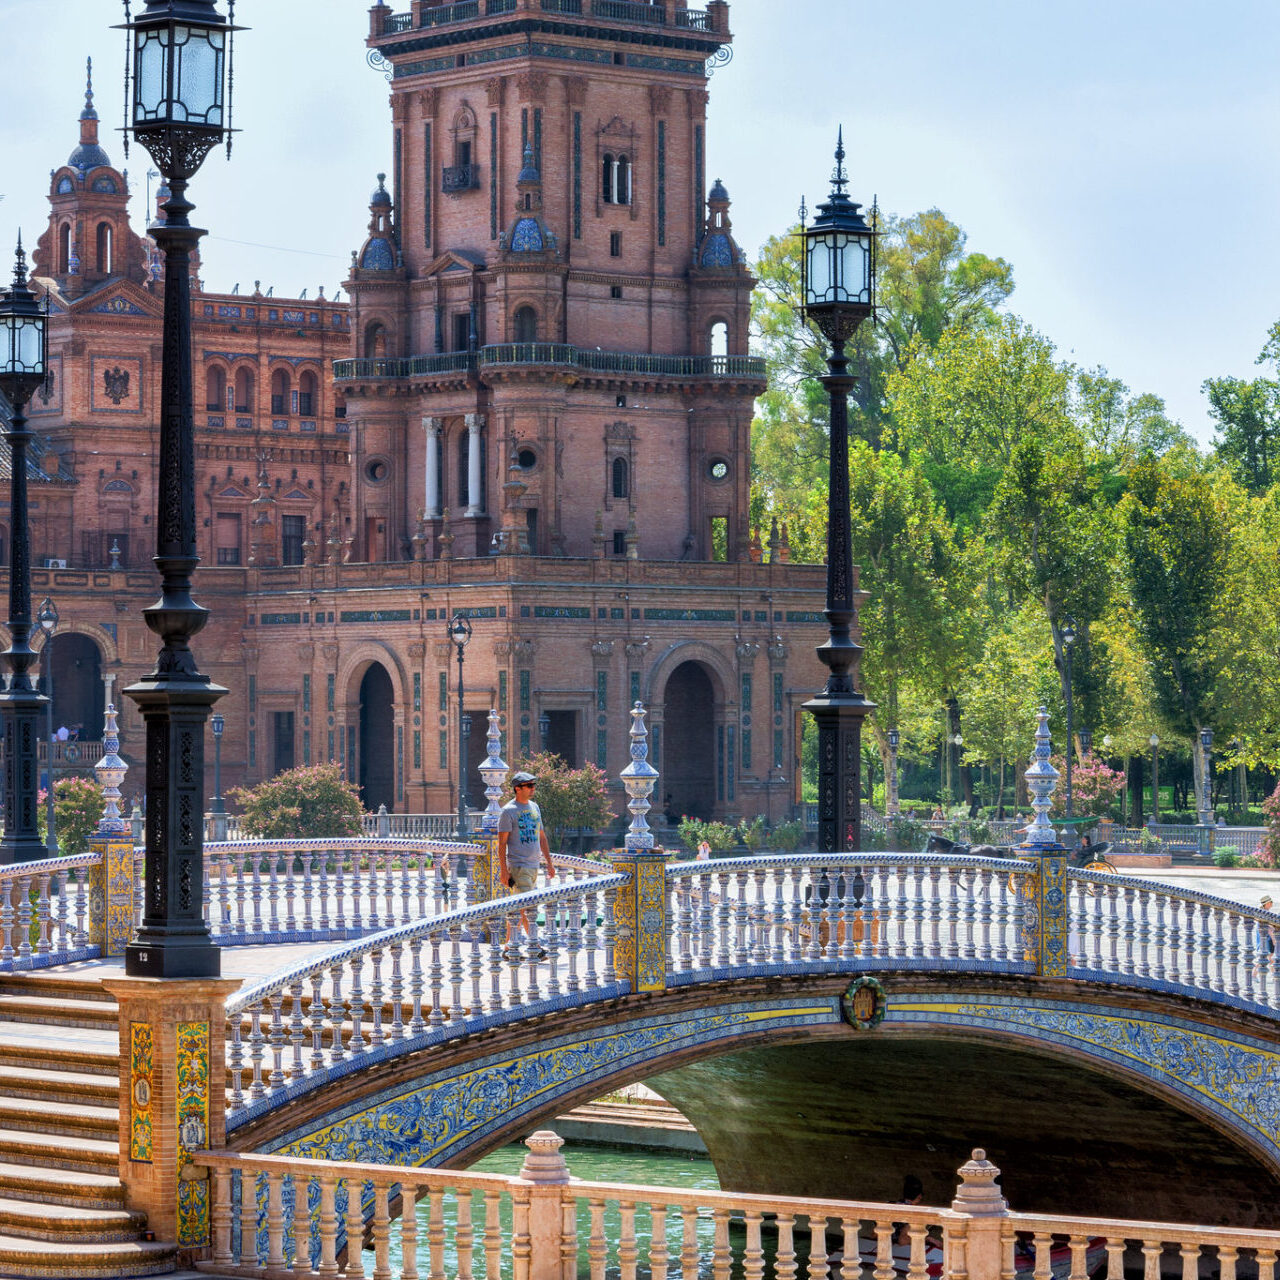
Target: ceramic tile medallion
141,1067
442,1114
1231,1077
1053,917
193,1129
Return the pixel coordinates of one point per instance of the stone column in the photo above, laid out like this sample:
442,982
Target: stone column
475,427
432,499
976,1253
173,1097
1043,937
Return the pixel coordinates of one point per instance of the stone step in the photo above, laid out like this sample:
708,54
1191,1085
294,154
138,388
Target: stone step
52,1084
24,1045
40,984
61,1186
70,1224
58,1011
68,1119
53,1151
19,1257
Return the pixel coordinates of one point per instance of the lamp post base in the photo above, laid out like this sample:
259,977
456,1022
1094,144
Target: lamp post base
839,719
21,711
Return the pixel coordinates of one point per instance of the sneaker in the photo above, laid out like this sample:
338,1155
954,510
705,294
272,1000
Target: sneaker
540,954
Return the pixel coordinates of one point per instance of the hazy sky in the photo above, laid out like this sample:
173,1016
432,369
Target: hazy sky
1124,155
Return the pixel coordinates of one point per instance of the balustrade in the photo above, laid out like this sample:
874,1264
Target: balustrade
45,912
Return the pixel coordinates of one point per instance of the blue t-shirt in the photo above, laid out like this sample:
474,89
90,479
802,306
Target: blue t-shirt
524,823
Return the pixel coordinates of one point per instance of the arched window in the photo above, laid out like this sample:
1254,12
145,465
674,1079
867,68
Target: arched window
621,479
244,390
607,173
526,325
279,391
104,248
375,341
718,339
307,398
622,181
215,389
64,248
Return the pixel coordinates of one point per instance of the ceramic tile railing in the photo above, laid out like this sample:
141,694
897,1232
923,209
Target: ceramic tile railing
411,986
1156,935
45,912
314,890
806,910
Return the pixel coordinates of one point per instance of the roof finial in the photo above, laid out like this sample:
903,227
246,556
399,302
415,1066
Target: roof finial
19,265
839,179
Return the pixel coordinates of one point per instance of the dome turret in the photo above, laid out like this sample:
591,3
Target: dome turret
88,155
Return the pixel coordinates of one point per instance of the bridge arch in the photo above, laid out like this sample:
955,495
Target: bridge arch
1179,1068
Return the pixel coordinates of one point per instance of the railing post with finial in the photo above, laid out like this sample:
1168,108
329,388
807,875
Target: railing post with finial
641,924
975,1252
494,770
111,878
1043,928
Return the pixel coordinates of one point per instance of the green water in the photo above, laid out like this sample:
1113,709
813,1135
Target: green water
600,1164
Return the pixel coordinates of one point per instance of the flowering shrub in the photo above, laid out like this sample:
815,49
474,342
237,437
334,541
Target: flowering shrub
311,802
1094,786
1269,850
569,799
77,807
718,835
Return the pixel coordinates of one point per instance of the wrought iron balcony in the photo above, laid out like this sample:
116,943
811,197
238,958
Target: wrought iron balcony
460,177
438,15
507,354
637,11
629,11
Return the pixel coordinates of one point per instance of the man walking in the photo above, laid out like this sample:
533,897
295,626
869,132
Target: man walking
522,839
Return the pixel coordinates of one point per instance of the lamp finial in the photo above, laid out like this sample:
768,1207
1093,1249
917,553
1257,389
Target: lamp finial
839,179
19,265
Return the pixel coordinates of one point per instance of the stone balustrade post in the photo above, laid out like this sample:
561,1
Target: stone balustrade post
975,1252
642,928
384,822
1043,925
173,1098
111,885
544,1235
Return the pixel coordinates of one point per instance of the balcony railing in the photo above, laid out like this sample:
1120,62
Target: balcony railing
554,353
394,23
629,11
693,19
460,177
653,14
440,14
561,6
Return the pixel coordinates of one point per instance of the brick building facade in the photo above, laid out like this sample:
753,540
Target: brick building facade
535,409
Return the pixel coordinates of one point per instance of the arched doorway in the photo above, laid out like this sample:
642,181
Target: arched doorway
689,742
77,685
377,736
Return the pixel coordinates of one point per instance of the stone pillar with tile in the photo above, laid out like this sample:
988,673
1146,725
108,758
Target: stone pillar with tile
173,1098
111,880
1043,931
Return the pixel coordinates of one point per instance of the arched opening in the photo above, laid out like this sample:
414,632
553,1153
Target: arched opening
307,398
215,389
718,339
280,391
375,341
526,325
607,173
64,248
244,390
377,734
622,181
104,248
689,742
77,686
621,479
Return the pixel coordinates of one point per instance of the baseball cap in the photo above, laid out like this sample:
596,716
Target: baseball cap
522,776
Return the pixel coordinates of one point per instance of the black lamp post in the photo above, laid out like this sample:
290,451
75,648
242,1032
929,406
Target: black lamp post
218,724
1086,741
47,616
892,807
460,634
838,273
23,365
1207,816
1068,634
1155,779
176,75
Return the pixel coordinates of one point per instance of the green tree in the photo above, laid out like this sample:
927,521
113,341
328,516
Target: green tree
1248,417
307,803
569,799
77,809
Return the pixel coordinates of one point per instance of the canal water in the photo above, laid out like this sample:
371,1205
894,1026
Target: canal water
607,1164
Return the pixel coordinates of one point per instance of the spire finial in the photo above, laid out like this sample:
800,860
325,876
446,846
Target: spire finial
88,84
19,265
839,179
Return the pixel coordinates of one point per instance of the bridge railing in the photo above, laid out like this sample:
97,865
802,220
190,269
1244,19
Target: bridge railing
418,984
878,910
1154,934
259,891
275,1215
45,911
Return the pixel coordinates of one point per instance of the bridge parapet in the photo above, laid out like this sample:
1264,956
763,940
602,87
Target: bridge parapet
300,1214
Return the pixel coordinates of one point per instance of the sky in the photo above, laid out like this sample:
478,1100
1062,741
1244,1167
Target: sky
1122,155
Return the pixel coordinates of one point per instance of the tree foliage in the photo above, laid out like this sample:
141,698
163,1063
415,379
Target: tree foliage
311,802
569,799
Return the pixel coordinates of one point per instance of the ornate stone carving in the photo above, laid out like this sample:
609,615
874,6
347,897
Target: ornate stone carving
329,652
428,100
443,650
746,650
532,86
636,649
524,651
777,649
495,90
602,648
503,647
659,97
417,651
575,90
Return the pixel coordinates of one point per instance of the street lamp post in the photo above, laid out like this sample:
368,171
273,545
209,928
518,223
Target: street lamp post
23,366
47,616
1068,634
1207,816
957,741
1155,779
218,724
460,634
176,79
892,807
838,271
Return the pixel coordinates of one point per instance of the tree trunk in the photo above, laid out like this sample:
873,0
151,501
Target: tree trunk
1136,811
